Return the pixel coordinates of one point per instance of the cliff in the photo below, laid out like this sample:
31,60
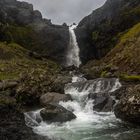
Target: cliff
98,33
21,24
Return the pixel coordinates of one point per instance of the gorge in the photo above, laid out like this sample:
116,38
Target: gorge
78,82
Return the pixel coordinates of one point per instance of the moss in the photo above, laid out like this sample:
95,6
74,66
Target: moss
133,32
5,76
15,61
95,35
104,74
130,78
125,55
23,35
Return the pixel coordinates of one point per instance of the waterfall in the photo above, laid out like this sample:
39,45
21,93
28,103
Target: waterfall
73,52
89,124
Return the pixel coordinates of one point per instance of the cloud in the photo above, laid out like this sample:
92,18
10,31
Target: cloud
69,11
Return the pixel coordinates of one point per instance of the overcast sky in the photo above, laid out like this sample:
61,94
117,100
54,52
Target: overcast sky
69,11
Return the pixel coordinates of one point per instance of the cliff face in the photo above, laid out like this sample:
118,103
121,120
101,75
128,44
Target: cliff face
98,33
22,24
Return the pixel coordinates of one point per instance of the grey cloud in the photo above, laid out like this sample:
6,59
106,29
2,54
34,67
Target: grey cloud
68,11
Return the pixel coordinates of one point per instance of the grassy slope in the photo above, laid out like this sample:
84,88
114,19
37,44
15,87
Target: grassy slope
15,61
125,55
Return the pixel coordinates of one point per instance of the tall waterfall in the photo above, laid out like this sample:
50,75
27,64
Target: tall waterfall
73,57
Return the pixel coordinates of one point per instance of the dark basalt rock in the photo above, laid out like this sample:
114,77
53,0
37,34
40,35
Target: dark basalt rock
97,33
102,102
12,125
56,113
128,107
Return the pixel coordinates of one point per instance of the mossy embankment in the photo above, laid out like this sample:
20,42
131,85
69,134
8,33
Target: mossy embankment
122,61
16,60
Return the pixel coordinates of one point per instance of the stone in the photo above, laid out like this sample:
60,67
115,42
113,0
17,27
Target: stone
52,97
60,82
56,113
12,125
128,107
8,84
102,102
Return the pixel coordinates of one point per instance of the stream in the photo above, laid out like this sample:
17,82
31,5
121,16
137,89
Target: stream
89,125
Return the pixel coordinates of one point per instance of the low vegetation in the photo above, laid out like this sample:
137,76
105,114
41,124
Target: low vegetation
123,58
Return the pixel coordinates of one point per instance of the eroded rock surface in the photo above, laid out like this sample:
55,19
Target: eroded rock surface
128,108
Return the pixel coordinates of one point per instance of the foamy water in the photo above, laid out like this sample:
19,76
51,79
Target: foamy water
88,125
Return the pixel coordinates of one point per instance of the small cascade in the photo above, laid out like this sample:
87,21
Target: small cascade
89,124
73,58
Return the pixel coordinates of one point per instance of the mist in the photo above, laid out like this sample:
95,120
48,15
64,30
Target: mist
69,11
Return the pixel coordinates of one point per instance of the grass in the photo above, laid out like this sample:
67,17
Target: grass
130,78
14,61
132,33
125,55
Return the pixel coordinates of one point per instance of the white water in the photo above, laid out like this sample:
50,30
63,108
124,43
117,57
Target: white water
88,125
73,52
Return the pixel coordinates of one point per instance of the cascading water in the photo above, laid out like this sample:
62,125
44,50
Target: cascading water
89,125
73,57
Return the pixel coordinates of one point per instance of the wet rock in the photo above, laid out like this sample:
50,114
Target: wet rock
52,97
12,125
102,102
56,113
107,84
60,82
128,108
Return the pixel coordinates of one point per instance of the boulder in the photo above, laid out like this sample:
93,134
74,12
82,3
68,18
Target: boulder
12,125
128,107
102,102
53,97
56,113
8,84
60,82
